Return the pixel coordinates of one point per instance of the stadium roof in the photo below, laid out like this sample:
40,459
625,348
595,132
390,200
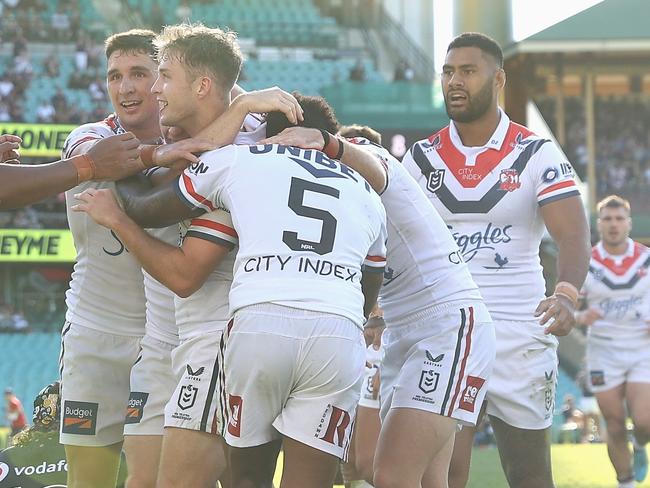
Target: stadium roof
611,25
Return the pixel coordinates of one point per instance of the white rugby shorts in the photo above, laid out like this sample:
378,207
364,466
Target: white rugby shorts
95,368
195,403
152,385
524,378
611,363
439,360
294,373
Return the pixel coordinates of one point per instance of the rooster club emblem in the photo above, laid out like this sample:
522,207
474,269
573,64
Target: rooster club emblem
509,179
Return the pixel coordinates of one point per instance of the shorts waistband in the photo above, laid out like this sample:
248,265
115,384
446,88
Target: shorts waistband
481,313
284,311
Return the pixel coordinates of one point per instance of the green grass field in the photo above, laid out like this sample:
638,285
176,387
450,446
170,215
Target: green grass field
574,466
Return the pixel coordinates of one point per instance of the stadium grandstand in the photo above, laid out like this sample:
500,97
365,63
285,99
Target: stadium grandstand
587,76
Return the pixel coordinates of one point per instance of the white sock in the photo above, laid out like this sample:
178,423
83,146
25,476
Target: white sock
627,484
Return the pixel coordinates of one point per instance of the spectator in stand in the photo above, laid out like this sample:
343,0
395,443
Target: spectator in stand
60,24
81,55
52,66
20,323
26,218
183,11
59,101
97,90
14,412
403,72
6,86
45,112
5,116
6,322
358,71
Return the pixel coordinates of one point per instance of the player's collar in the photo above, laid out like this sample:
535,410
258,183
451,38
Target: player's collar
497,138
616,257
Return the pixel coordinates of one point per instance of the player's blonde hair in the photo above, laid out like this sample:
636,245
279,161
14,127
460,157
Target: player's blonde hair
203,51
613,201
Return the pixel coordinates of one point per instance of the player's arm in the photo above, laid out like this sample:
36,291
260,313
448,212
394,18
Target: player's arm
183,270
371,280
158,207
566,222
355,156
105,159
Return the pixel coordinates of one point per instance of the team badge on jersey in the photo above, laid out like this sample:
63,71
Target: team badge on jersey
435,180
509,179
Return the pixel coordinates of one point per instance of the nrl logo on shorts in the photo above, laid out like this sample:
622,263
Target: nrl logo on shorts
435,180
428,381
187,396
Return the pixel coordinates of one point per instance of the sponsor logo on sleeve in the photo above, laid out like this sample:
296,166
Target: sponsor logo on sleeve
79,418
135,407
468,399
509,180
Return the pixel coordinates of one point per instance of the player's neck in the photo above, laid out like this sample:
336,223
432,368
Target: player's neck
199,121
615,249
146,135
478,132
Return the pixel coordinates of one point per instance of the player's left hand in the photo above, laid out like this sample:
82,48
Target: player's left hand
561,310
101,205
180,154
272,99
302,137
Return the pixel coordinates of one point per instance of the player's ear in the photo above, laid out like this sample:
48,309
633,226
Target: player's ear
202,86
500,78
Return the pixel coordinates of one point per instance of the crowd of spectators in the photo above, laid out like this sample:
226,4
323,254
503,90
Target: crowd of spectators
622,141
33,19
12,321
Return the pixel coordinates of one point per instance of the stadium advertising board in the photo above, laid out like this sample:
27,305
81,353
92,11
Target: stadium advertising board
39,140
36,245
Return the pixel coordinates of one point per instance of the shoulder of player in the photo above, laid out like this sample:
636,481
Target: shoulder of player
641,248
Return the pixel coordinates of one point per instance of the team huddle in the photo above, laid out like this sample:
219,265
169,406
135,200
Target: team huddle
217,308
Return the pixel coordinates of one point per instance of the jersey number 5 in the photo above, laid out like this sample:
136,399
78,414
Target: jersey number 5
328,231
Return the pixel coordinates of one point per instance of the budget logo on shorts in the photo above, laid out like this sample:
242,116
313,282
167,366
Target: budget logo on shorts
509,179
135,407
468,399
236,404
597,378
187,396
435,180
334,425
79,418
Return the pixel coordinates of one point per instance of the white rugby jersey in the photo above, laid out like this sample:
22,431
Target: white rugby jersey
106,291
306,225
207,309
618,286
160,309
490,199
423,265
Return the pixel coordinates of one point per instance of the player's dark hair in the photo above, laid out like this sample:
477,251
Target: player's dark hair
132,41
613,201
203,51
317,113
356,130
481,41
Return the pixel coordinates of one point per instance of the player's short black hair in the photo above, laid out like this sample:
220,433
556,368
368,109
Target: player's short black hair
356,130
317,113
481,41
131,41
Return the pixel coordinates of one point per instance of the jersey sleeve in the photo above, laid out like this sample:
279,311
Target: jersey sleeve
84,133
375,261
553,176
215,226
201,185
379,152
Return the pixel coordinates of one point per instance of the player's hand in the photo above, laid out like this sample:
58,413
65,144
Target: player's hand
179,155
116,157
560,311
101,205
589,316
270,100
302,137
9,149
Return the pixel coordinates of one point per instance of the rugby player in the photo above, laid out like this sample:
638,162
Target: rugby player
497,185
617,297
318,310
439,340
